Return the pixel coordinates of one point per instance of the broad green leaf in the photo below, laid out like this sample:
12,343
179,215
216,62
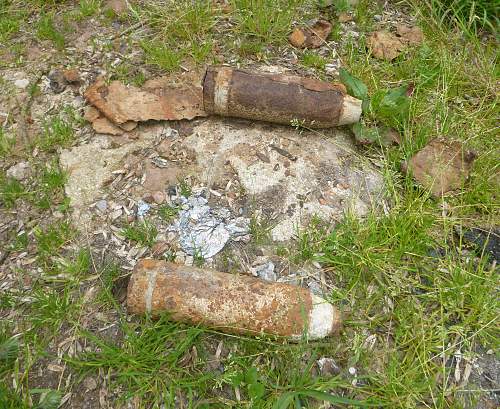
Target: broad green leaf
383,135
51,400
365,135
395,104
251,375
237,379
256,390
284,401
355,86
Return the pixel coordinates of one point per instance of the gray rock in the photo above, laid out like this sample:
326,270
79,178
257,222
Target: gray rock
101,205
19,171
22,83
328,367
57,82
265,271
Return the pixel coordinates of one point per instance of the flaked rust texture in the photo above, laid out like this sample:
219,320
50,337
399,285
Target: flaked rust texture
275,98
234,303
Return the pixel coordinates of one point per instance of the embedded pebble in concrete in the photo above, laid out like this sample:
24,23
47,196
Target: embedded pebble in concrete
265,271
286,176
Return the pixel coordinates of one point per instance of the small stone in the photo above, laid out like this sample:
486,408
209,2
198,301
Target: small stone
328,367
377,17
57,214
22,83
332,69
265,271
158,197
19,171
57,82
142,208
118,6
101,205
159,248
90,384
352,371
72,76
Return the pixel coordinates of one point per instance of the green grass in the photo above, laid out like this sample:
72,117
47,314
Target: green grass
162,55
49,240
313,60
265,21
11,18
57,132
51,309
470,15
50,182
7,142
184,188
10,191
168,212
143,233
403,278
46,30
89,8
260,230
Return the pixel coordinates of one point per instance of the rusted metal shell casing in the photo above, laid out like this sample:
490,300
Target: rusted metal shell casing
278,98
232,303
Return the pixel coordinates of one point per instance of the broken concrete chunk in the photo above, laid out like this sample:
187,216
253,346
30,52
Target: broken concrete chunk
91,114
103,125
121,103
326,166
22,83
90,167
441,166
311,37
265,271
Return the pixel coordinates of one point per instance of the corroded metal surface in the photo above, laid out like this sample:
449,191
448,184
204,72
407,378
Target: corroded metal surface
234,303
275,98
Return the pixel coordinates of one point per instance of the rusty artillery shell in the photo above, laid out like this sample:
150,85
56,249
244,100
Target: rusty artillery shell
278,98
229,302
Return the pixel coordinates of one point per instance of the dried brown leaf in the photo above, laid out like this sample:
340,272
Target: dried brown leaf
410,35
441,166
385,45
311,37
